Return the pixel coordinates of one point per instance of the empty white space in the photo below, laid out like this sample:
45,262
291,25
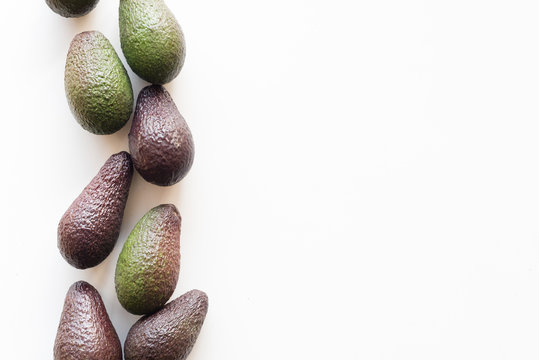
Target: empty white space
365,185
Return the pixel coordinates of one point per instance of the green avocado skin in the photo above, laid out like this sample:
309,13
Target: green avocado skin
152,40
97,86
149,264
72,8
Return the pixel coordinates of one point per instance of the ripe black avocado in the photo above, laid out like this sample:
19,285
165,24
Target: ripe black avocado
85,330
160,141
90,227
170,333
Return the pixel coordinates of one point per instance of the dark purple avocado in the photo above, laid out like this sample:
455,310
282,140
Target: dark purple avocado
170,333
85,331
72,8
160,141
90,227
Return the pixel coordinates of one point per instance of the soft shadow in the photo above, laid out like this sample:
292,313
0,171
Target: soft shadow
84,23
144,196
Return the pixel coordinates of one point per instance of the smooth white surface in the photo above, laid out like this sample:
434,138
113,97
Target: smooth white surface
366,180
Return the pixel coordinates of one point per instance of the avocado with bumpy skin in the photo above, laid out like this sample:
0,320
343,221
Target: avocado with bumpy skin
149,264
85,330
90,227
170,333
152,40
97,86
72,8
160,140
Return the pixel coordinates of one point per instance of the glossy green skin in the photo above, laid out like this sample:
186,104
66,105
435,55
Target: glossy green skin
72,8
97,86
152,40
149,264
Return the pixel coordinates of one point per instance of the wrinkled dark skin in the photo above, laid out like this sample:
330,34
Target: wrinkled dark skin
90,227
72,8
160,141
170,333
85,331
149,264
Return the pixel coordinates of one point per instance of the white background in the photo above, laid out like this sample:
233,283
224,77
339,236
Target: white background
365,186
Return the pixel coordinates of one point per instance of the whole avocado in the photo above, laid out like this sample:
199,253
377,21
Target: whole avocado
170,333
160,140
85,330
152,40
72,8
90,227
149,264
97,86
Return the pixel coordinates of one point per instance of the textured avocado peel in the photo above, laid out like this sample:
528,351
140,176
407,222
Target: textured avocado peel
170,333
72,8
85,330
149,264
97,86
152,40
100,96
160,140
88,230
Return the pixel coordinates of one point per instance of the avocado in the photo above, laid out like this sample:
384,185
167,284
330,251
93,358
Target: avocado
152,40
160,140
149,264
97,86
85,330
90,227
72,8
170,333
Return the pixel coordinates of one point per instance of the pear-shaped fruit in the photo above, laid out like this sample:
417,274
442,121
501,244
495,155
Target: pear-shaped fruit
90,227
149,264
72,8
97,86
85,331
160,140
152,40
170,333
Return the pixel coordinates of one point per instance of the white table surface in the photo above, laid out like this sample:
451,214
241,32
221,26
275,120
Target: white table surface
365,185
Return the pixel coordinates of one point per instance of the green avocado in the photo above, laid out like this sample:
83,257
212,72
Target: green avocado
72,8
97,86
149,264
152,40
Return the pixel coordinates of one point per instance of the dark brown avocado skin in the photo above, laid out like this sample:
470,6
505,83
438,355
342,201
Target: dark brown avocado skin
72,8
160,141
170,333
90,227
85,330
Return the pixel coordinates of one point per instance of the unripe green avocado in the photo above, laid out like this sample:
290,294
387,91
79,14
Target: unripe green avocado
152,40
149,264
72,8
97,86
